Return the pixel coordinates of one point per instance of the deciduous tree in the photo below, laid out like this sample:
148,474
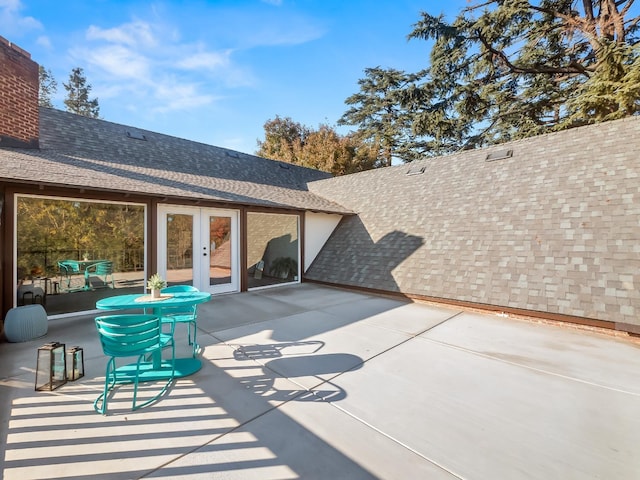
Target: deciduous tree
323,149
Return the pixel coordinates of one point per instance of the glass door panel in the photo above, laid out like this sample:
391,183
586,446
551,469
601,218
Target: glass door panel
220,250
179,248
220,236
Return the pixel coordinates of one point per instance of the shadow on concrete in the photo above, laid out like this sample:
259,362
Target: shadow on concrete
228,412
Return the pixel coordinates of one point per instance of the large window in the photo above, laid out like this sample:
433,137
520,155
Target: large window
70,253
273,251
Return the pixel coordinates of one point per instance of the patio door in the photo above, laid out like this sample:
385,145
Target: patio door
199,247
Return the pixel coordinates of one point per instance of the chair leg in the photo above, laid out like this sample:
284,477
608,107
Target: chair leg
110,370
194,343
135,386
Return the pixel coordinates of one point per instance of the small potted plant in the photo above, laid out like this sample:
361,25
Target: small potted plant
155,284
284,267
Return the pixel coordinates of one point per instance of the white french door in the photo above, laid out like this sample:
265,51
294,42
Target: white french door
199,247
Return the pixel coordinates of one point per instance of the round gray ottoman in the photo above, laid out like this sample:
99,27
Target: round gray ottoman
25,323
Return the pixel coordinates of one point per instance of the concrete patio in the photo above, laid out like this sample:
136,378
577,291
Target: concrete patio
309,382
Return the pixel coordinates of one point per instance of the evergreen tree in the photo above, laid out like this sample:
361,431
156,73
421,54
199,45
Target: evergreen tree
77,100
508,69
382,120
47,87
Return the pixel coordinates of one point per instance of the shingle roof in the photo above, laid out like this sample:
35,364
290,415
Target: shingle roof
89,153
554,228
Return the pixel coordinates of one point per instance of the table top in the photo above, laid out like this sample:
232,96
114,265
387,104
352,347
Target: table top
82,264
137,300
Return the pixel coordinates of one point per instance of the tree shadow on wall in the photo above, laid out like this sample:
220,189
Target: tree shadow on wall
277,264
352,257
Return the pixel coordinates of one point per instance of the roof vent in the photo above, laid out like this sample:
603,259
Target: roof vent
499,155
232,154
284,165
136,135
416,170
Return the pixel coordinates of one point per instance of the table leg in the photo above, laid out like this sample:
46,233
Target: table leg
183,366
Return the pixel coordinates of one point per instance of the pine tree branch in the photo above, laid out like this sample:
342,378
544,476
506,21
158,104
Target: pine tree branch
572,68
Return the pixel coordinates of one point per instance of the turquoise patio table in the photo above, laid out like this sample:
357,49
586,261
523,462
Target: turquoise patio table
183,366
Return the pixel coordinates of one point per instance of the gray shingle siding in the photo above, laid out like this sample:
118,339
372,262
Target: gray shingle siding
555,228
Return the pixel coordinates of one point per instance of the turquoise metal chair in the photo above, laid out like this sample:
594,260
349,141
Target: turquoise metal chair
134,335
188,315
104,270
69,277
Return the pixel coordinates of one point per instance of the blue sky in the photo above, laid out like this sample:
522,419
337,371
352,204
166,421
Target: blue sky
216,71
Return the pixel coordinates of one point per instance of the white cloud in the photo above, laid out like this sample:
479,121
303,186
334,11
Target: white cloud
10,4
12,22
118,61
206,60
271,35
44,41
148,61
182,96
151,60
134,34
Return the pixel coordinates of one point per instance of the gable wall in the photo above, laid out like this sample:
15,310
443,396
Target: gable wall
553,229
318,227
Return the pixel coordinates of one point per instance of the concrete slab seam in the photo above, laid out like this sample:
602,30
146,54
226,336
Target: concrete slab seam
395,440
539,370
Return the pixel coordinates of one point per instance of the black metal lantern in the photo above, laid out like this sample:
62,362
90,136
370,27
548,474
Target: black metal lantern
51,369
75,363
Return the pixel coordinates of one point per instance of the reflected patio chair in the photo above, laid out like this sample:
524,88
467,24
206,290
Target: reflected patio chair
131,335
103,270
188,314
69,277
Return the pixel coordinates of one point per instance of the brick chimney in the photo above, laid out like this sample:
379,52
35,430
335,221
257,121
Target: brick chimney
19,113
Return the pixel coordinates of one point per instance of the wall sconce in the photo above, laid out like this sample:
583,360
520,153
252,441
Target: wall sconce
75,363
51,369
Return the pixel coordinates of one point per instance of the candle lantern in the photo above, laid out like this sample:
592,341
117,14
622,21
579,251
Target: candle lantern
51,369
75,363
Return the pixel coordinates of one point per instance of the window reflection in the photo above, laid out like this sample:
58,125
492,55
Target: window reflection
220,250
70,253
272,249
179,249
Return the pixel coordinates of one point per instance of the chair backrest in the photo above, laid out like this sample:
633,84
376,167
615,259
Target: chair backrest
68,268
104,268
187,310
180,288
128,334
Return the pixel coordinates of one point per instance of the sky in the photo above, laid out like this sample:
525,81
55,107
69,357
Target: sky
216,71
